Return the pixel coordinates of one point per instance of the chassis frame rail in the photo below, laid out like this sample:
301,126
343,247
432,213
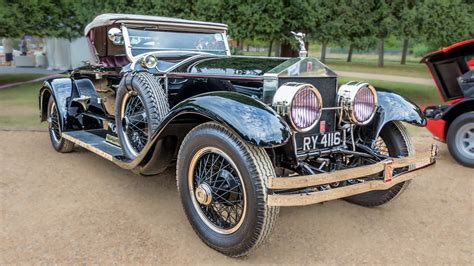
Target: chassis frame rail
386,167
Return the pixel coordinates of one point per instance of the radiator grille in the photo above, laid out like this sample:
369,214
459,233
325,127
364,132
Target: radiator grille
327,86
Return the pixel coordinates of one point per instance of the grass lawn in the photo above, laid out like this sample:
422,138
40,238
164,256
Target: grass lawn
19,107
368,64
390,68
423,95
13,78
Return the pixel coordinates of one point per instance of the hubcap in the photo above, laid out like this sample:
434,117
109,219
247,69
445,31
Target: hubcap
465,140
204,194
217,191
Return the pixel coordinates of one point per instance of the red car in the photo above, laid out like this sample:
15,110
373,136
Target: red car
452,69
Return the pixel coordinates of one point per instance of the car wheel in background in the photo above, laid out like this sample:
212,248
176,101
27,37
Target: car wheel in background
460,139
395,142
54,128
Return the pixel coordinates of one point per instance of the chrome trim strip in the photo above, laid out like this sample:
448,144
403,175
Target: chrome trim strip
226,77
87,146
332,108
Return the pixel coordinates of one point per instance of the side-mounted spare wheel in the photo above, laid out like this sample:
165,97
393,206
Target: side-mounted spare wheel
222,185
140,105
54,128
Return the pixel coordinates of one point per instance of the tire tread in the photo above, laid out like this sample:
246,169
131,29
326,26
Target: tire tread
261,169
155,100
377,198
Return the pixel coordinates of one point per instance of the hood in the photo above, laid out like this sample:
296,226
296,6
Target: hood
255,67
448,64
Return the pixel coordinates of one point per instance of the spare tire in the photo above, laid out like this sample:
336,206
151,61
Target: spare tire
140,106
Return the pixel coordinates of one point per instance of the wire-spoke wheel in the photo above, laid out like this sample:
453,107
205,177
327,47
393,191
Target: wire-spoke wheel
134,122
460,139
395,142
140,109
216,189
54,128
222,184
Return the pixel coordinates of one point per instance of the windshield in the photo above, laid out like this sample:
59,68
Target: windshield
147,40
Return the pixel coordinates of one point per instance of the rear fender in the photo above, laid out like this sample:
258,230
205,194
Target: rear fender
391,107
60,89
63,90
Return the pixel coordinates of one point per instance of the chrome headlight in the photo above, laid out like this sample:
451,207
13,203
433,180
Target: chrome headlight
149,61
300,104
358,101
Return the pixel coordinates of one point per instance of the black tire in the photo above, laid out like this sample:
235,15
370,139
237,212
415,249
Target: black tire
254,166
398,143
155,104
59,143
460,139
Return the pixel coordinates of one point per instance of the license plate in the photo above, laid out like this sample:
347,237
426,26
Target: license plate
322,141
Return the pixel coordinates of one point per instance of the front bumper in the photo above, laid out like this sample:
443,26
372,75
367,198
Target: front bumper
386,167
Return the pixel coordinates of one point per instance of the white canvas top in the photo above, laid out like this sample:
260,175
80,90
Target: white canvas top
108,19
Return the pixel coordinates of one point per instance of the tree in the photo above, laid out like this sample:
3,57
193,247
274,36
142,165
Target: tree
446,22
405,12
358,27
267,22
298,16
384,22
30,13
329,26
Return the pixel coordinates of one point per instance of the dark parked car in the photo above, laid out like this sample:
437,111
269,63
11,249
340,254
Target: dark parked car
247,134
453,71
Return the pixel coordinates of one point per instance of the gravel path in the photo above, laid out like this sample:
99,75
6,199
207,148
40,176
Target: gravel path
403,79
79,208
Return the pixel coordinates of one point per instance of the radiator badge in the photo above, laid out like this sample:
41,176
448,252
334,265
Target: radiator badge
322,126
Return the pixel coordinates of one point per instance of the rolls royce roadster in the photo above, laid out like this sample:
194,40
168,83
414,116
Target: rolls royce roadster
246,134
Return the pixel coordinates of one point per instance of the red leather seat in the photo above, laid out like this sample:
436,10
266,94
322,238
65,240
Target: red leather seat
114,61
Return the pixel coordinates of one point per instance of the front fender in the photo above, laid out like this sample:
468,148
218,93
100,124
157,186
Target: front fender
392,107
60,89
250,119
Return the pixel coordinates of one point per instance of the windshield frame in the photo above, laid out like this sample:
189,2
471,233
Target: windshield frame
132,58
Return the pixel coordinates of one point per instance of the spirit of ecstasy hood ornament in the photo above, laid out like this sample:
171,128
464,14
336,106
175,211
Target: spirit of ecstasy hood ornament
300,37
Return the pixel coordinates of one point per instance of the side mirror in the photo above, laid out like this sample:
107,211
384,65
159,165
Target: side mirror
115,35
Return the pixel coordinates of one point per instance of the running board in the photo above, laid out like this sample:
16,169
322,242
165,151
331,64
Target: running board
93,143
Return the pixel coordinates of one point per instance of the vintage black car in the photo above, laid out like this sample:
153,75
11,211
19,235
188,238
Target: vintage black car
247,134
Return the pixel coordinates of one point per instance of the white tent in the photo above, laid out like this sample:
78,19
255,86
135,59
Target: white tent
63,54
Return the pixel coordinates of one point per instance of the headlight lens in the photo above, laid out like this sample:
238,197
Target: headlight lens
300,103
149,61
358,101
305,108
